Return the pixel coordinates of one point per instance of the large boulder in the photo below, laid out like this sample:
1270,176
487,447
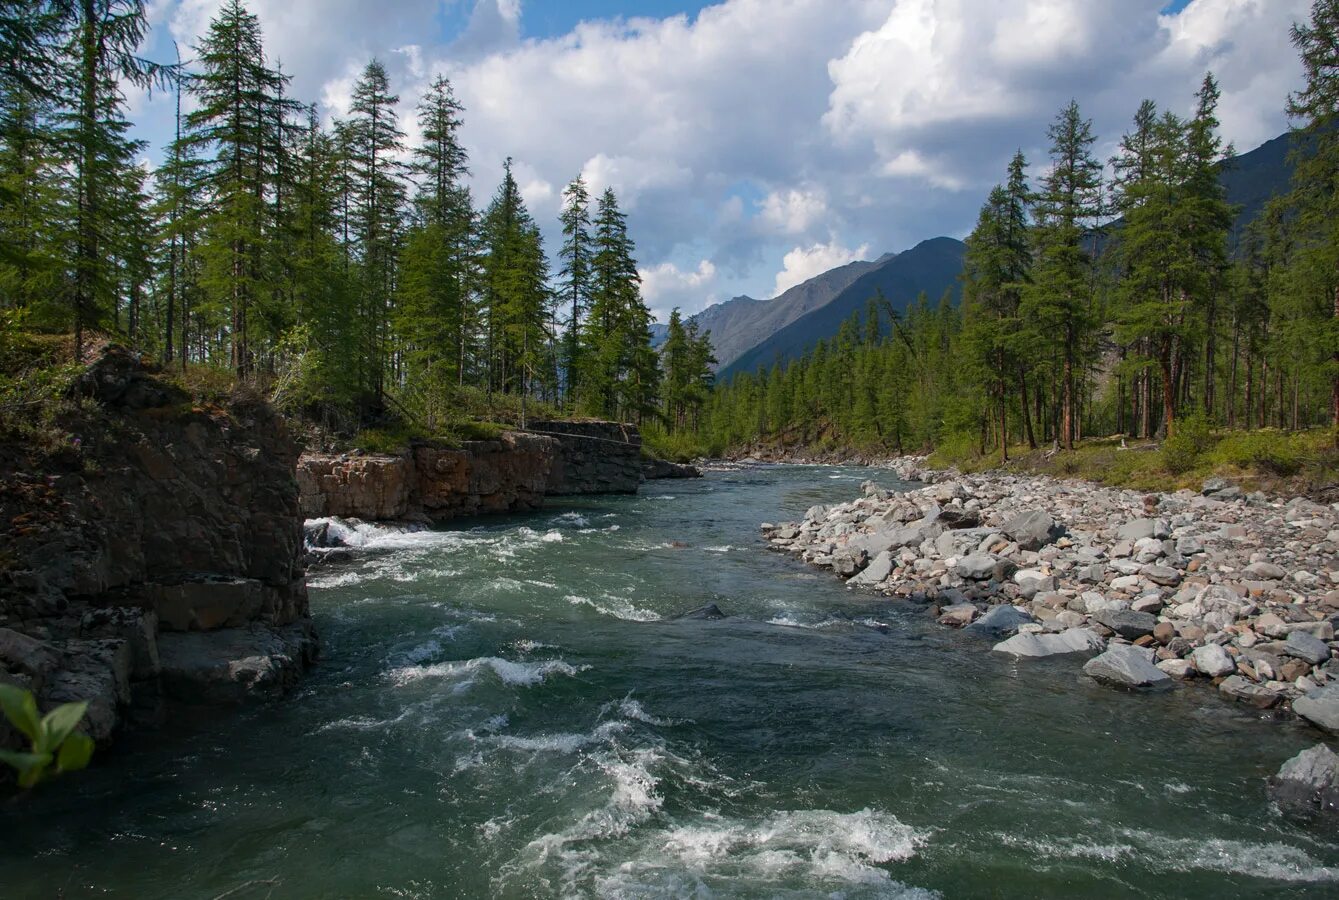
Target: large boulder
232,665
1126,666
1001,620
1031,529
1212,660
1308,782
1127,623
1071,640
1306,647
879,568
977,567
1320,707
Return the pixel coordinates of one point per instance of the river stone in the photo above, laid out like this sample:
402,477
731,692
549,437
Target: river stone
1309,781
1072,640
878,569
231,665
957,615
1031,529
1136,529
1177,668
1125,666
1001,620
1321,707
1212,660
1164,575
1238,688
1307,648
976,567
1127,623
1266,570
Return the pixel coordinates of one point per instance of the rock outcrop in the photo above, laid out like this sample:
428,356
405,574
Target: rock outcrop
434,482
162,523
594,457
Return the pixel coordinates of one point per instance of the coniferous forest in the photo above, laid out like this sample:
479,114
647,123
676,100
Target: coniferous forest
351,275
1097,304
357,280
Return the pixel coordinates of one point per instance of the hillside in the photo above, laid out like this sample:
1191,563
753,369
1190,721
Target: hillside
931,266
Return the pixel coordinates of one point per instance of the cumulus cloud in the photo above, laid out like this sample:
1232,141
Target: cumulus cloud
803,263
794,211
666,286
764,136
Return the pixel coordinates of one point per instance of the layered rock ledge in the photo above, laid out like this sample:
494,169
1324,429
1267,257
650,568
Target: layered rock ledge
435,483
1239,592
156,556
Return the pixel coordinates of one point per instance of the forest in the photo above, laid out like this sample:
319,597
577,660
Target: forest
354,280
1096,305
348,275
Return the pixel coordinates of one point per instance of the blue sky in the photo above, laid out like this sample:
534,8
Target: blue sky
759,142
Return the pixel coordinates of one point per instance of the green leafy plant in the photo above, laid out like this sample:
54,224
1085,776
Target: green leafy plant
55,747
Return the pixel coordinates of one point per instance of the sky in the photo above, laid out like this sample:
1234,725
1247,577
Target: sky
757,143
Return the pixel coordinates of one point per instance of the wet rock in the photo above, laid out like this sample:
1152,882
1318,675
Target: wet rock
709,612
957,615
1125,666
1320,707
1001,620
1308,782
1072,640
1240,689
233,665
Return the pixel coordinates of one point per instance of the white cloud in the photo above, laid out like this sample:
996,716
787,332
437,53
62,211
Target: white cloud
756,130
666,286
803,263
793,211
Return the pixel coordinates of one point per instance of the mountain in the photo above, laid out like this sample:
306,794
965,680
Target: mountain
931,266
1251,179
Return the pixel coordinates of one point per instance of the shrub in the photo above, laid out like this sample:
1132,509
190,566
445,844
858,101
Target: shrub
54,745
1191,437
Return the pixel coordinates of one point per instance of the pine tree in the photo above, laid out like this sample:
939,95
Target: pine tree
1059,300
378,194
99,40
575,287
439,268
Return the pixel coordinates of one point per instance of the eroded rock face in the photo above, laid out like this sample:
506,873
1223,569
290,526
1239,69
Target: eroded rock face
511,474
162,516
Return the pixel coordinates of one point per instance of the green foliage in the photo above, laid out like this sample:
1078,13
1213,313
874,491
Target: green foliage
54,745
1182,451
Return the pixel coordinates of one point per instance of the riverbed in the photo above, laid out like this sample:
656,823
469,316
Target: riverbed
512,708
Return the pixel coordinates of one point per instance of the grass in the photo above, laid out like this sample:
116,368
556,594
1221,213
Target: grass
1268,459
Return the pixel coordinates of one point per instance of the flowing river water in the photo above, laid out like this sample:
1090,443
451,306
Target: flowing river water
510,708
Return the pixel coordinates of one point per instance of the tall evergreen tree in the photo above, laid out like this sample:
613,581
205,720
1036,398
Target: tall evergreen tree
575,288
1059,300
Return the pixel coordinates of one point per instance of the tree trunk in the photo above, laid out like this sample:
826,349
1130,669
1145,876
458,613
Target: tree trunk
1027,416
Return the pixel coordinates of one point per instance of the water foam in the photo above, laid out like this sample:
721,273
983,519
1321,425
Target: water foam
616,607
519,674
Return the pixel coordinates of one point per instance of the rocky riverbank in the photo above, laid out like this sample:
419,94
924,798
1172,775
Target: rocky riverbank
1238,592
156,556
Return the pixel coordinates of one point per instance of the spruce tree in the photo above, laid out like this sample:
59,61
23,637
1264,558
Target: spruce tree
574,290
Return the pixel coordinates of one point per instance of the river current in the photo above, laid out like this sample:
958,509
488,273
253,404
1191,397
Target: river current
510,708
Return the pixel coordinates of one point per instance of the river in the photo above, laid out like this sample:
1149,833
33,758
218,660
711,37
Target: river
510,708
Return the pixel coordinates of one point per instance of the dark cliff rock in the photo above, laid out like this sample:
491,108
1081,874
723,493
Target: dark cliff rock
660,469
161,523
511,474
594,457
